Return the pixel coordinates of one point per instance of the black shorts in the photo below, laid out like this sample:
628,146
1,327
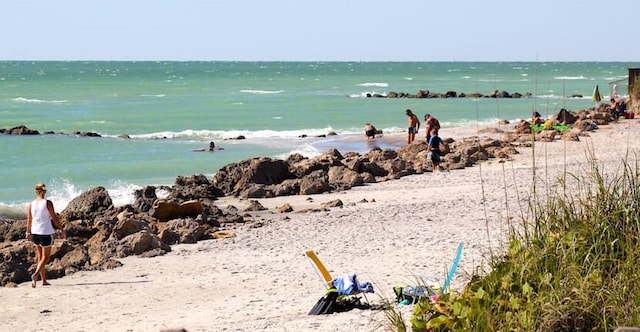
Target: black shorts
42,240
435,156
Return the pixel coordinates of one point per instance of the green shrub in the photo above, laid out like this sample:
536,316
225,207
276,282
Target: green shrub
574,267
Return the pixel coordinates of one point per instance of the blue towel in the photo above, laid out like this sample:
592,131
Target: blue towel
348,284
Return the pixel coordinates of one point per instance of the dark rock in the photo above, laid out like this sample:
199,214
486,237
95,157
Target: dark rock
181,231
165,210
315,183
88,205
254,206
21,130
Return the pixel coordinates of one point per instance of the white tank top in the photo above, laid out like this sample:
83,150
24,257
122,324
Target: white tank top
40,218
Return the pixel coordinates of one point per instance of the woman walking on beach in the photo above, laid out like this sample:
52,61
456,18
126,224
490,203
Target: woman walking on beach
40,219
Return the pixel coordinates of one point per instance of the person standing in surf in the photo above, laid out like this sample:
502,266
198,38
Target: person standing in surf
41,216
370,131
414,126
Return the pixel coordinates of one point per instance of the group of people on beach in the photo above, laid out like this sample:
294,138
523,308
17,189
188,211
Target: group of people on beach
432,127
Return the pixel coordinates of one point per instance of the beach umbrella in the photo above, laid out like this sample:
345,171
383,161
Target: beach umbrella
597,97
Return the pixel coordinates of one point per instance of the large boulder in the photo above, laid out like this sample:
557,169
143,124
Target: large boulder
315,183
139,243
566,117
232,178
194,187
21,130
144,198
88,205
126,225
181,231
165,210
12,230
342,178
15,261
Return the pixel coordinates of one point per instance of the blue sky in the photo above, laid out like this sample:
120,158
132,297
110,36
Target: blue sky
328,30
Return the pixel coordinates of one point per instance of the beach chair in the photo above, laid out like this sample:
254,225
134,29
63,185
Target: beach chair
413,294
340,292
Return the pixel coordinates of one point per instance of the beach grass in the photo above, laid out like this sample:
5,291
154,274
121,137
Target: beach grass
571,265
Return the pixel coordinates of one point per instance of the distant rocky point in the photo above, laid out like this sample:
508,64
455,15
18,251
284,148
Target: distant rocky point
426,94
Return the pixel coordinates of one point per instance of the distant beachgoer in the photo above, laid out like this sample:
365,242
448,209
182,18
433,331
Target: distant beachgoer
431,123
414,126
536,119
614,90
212,147
41,217
370,131
434,149
617,108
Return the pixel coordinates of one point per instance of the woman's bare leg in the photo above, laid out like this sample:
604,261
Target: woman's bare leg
43,256
34,276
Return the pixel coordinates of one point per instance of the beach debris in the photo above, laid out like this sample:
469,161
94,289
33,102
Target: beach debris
223,234
285,208
254,205
333,203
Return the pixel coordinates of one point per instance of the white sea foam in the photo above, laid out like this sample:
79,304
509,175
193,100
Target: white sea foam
307,150
570,78
262,92
13,211
122,193
232,134
37,101
380,85
157,96
366,94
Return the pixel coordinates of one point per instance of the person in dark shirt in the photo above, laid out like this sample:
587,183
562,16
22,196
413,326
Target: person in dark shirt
435,144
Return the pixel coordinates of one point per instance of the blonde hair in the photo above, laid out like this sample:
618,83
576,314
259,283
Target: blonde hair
40,187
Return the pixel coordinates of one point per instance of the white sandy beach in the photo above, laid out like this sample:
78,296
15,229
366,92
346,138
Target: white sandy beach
260,279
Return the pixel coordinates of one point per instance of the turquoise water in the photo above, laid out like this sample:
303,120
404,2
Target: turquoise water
170,108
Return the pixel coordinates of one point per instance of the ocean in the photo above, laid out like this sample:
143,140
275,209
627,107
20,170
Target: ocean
168,109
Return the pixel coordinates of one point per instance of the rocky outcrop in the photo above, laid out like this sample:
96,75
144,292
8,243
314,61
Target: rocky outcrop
89,205
99,233
19,130
331,171
449,94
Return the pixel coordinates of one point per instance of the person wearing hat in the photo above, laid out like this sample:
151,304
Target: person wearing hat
414,125
41,216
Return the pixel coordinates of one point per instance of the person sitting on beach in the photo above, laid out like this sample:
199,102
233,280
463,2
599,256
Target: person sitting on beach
537,119
434,148
414,126
430,123
616,108
370,131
